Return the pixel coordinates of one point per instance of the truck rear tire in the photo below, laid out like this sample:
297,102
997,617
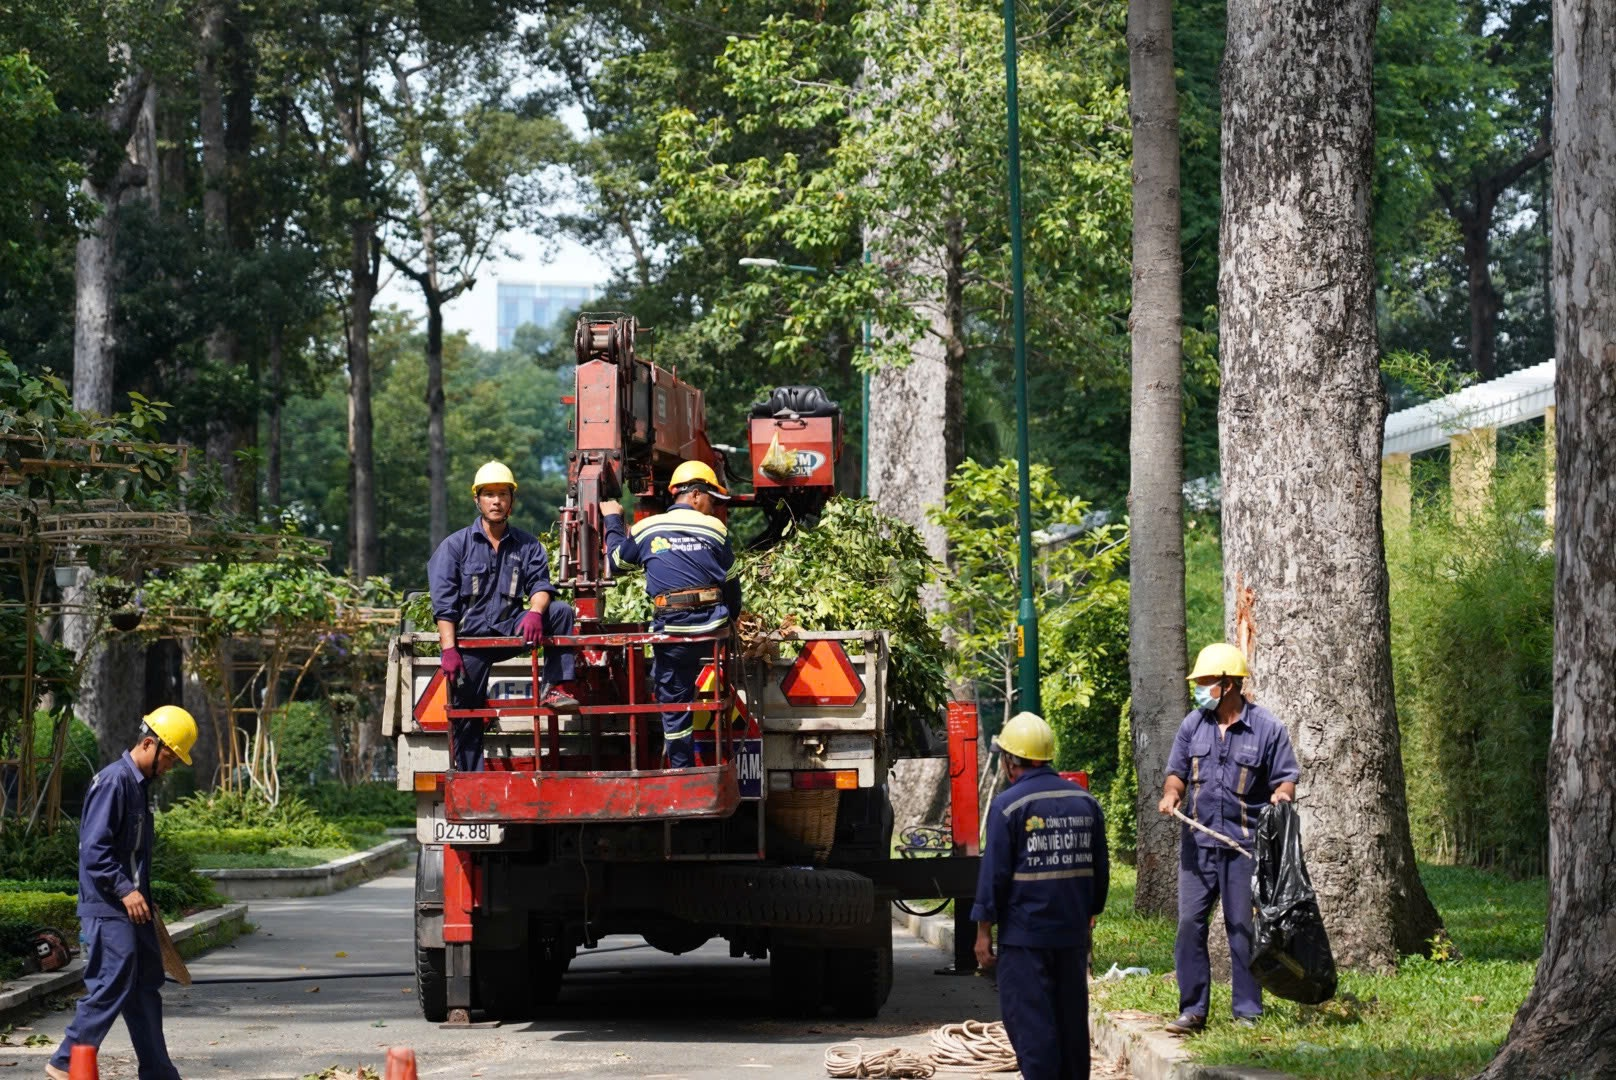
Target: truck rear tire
772,896
431,982
859,980
797,980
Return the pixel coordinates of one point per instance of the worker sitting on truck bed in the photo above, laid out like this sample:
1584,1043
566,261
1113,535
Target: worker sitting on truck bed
491,579
689,565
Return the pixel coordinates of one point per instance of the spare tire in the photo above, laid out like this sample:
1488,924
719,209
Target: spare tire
772,896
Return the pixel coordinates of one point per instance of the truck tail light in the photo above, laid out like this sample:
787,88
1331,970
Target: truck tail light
825,779
428,781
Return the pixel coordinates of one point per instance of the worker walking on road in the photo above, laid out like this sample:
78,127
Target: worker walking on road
1233,757
1045,874
689,575
491,579
123,964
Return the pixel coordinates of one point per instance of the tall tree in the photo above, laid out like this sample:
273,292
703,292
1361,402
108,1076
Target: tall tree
1462,88
1566,1027
470,168
1156,652
1300,421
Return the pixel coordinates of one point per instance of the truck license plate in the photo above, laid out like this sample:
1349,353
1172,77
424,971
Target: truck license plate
436,830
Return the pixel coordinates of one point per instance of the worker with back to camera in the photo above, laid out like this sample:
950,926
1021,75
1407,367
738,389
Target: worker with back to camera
1233,757
689,575
123,963
1044,877
491,579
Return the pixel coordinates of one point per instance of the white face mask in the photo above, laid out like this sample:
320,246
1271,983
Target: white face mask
1204,698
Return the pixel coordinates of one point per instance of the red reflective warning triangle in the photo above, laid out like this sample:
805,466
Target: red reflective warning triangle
431,712
822,675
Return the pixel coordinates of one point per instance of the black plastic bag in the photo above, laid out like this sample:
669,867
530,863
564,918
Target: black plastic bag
1291,957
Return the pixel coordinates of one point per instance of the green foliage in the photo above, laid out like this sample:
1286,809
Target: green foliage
1428,1020
50,861
291,822
1083,711
857,570
1203,584
375,802
303,743
54,668
1121,798
21,913
79,757
1077,580
1473,640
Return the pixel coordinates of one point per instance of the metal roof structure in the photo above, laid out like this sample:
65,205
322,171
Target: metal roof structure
1510,399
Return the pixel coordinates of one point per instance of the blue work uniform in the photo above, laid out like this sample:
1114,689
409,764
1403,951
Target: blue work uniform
1228,779
1045,872
485,591
123,967
682,549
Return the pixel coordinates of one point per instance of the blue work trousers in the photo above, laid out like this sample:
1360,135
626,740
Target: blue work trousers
1205,875
471,691
123,974
674,671
1044,999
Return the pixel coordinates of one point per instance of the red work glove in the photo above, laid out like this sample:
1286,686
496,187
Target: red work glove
532,627
453,667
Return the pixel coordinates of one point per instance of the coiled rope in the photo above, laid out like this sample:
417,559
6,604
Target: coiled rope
972,1046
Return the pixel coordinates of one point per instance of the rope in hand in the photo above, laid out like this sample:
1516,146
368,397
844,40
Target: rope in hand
971,1046
1213,833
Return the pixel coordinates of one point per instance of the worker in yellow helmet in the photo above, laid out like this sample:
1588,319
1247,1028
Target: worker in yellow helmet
690,576
491,579
123,966
1044,876
1232,757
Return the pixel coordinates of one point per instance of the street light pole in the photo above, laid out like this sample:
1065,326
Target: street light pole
1027,614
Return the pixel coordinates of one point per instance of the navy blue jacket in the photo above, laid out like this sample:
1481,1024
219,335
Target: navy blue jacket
1228,778
680,549
484,592
1045,869
115,841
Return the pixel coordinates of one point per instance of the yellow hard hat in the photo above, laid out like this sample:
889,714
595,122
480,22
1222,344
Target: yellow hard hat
1222,659
696,472
1027,736
494,472
175,726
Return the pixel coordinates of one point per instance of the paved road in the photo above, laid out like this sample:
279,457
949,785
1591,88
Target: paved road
626,1010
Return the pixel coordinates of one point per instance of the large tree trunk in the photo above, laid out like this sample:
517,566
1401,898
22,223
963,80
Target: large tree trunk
1567,1028
1156,621
1300,419
364,550
1476,228
437,467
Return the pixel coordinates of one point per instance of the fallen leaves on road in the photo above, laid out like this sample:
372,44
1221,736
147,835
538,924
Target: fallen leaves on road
338,1072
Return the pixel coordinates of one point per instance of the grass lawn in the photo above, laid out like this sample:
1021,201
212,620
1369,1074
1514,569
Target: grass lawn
1430,1020
291,858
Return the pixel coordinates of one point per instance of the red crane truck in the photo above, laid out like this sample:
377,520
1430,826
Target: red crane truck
779,841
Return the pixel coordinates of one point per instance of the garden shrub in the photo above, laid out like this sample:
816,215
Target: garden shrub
303,743
1091,650
21,913
376,801
291,821
1472,650
1121,799
231,841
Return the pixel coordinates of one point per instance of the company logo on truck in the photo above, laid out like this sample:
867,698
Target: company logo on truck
808,461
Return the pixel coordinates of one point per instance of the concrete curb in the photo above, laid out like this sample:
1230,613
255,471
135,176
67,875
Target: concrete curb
1150,1053
198,929
322,880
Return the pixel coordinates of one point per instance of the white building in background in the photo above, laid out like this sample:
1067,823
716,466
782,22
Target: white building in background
518,303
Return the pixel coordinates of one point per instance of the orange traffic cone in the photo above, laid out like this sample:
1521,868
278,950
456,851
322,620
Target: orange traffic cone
400,1064
81,1064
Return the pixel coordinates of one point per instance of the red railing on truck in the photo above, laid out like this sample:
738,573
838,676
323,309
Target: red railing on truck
602,783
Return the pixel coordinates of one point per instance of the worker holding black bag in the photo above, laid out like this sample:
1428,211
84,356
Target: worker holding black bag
1230,759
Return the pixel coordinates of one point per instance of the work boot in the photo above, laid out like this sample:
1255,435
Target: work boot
1186,1024
559,697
